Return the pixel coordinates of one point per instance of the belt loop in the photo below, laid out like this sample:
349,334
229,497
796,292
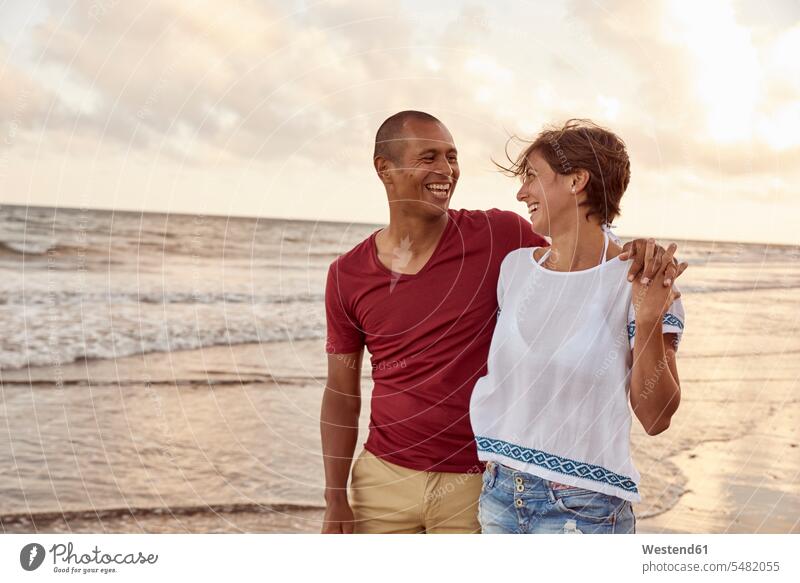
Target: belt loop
551,496
492,467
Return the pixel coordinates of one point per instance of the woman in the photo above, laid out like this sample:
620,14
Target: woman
552,417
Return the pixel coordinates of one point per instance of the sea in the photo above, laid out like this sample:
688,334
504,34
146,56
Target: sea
166,370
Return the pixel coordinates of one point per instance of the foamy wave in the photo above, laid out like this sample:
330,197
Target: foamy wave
27,248
53,335
70,297
143,512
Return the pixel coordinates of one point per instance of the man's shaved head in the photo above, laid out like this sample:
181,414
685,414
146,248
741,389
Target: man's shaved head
389,139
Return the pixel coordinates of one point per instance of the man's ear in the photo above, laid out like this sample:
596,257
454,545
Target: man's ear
383,168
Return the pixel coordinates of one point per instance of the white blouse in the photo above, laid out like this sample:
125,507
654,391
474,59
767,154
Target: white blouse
555,400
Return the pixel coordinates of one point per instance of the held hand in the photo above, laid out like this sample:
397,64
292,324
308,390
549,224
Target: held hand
651,300
647,259
338,518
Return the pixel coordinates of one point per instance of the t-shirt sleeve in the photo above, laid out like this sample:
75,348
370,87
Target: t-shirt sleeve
343,332
527,237
673,321
513,232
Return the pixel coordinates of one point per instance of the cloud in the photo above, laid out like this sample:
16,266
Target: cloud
23,102
258,81
280,87
247,78
708,92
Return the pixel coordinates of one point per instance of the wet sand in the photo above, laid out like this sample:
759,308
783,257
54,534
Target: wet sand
729,463
744,485
221,439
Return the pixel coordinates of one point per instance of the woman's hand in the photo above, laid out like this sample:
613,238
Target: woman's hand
651,300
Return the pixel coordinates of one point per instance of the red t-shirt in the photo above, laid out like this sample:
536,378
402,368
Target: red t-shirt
428,334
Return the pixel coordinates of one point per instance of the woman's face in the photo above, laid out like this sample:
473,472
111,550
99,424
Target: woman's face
546,193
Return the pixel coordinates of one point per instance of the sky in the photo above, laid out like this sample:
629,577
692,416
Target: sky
269,108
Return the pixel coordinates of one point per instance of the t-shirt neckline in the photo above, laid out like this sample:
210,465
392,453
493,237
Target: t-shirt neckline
428,263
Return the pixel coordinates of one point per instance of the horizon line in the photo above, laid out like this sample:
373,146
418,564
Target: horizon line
306,220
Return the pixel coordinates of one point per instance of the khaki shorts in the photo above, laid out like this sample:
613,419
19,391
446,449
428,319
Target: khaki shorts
387,498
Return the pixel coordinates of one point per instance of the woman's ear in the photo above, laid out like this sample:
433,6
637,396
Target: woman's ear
578,180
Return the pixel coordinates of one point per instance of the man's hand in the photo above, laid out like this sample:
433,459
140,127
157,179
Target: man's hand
647,261
338,518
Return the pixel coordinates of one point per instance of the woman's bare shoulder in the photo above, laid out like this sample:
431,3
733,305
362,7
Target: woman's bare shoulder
613,250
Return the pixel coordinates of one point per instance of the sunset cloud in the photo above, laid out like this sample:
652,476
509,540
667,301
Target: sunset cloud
280,101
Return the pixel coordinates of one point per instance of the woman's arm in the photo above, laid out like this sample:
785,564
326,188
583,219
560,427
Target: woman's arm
655,390
671,348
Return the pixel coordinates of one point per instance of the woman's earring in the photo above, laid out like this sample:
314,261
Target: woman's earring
573,189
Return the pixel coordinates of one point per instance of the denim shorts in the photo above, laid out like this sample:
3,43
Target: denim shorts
514,502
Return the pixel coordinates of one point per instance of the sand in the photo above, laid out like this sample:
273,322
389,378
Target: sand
729,463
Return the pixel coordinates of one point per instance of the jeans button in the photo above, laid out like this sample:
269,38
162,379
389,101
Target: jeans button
520,488
518,480
518,503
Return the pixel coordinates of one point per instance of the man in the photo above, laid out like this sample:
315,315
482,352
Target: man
420,295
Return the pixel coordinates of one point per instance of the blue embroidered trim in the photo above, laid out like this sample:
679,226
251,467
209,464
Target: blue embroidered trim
668,320
672,320
556,463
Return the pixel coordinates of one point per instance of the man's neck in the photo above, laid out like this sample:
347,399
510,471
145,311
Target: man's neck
421,233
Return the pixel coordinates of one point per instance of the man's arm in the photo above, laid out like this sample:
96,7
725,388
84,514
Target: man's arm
341,407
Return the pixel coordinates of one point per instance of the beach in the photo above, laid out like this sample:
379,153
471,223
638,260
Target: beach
164,373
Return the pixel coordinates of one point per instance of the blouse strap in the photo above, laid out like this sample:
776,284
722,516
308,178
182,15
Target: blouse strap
546,253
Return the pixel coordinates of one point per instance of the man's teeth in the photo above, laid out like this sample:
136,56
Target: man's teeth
440,190
532,208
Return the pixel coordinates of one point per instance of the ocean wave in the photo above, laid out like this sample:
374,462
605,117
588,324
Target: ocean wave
42,354
21,518
260,380
70,297
744,286
56,334
27,249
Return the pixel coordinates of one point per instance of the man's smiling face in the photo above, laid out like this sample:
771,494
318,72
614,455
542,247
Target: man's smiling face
426,167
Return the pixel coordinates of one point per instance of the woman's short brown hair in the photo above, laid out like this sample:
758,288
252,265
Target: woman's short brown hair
582,144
